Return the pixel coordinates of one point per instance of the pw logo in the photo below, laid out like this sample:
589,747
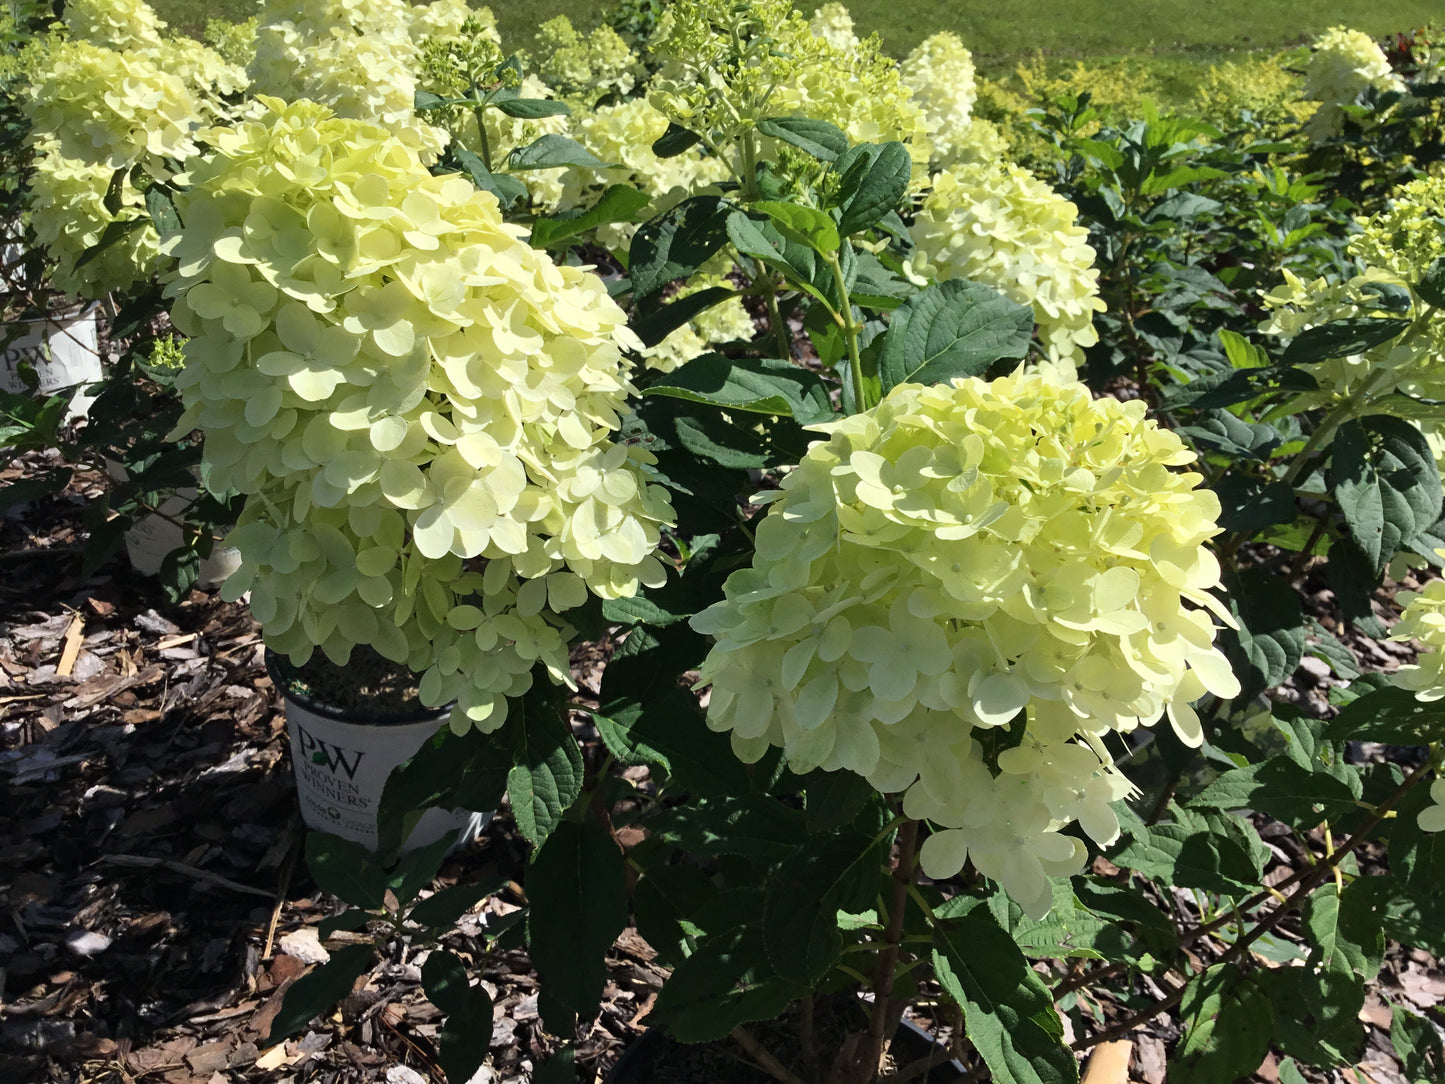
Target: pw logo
332,757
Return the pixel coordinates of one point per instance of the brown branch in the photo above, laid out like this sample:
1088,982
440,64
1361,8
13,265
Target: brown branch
1304,882
866,1067
774,1068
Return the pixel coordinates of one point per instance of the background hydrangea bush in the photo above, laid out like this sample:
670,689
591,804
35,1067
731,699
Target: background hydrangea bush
940,475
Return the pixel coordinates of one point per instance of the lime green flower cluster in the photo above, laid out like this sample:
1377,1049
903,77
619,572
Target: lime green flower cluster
1343,65
1424,620
834,24
235,42
584,69
1432,819
728,66
357,58
114,24
1394,249
444,19
940,74
955,559
998,224
95,111
418,405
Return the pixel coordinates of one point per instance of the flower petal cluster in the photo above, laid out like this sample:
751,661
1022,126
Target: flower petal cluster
114,24
1343,65
940,74
958,561
1424,621
1432,818
997,224
418,405
584,69
834,24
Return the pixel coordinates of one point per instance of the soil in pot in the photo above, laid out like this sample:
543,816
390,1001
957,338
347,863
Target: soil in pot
367,684
656,1058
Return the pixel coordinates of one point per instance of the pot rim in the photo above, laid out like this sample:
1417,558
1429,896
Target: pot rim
277,667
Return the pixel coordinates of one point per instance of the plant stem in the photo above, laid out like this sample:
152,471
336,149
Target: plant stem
850,332
1304,882
774,1068
865,1066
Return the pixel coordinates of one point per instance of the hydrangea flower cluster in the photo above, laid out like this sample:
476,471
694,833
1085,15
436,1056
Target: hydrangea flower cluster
833,23
114,24
940,74
1343,65
95,111
998,224
358,58
584,69
418,405
958,559
1424,620
1395,248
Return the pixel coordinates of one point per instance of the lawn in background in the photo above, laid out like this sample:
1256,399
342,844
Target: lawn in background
1175,37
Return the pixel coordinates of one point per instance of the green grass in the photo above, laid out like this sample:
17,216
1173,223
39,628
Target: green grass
1179,37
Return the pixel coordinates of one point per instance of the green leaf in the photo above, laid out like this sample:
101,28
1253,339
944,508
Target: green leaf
667,900
508,190
757,385
1248,504
114,230
1282,789
1008,1012
162,209
558,1069
24,490
346,869
417,868
320,990
662,320
676,243
1341,339
547,772
467,771
674,141
1069,930
830,873
727,982
1217,852
1270,641
1222,431
1354,578
953,328
1431,286
1391,715
1418,1046
441,910
833,800
531,108
423,100
802,224
761,240
822,140
553,151
1228,1021
1316,1012
619,203
467,1033
755,826
578,907
353,919
1343,929
1383,476
874,181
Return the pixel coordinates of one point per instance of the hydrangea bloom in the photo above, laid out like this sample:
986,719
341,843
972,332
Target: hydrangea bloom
114,24
1432,819
417,404
1424,620
833,24
1344,64
957,559
998,224
587,68
940,74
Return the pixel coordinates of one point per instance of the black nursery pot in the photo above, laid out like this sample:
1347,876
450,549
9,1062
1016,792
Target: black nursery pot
639,1061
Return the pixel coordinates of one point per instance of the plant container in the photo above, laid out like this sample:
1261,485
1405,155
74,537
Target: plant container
342,758
65,352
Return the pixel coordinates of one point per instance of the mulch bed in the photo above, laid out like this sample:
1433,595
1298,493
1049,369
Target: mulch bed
153,904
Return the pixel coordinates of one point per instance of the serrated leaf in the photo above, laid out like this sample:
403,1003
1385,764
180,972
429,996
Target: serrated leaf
1383,476
762,241
558,1069
508,190
353,919
1222,431
1227,1028
824,141
441,910
346,869
547,770
467,771
874,182
954,328
1248,504
1316,1012
531,108
1431,286
444,979
578,907
1323,644
1008,1012
319,991
666,901
619,203
804,894
832,800
417,868
676,243
1392,715
1341,339
467,1034
727,982
674,141
553,151
24,490
1269,643
1279,787
660,320
1418,1046
804,225
1217,852
162,209
754,826
757,385
1354,578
